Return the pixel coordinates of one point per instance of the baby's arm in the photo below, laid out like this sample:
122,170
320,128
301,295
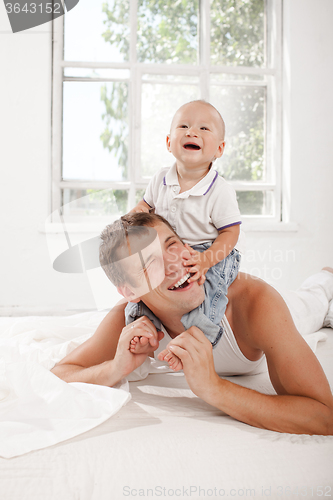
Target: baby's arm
200,262
142,206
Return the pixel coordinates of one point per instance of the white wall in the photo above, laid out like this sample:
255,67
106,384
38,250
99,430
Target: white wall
28,282
307,155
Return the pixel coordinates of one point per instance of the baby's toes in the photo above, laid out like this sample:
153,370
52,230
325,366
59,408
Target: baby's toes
162,354
169,357
144,341
178,366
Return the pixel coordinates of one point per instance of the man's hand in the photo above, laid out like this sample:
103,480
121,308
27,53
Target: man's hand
196,354
196,264
125,360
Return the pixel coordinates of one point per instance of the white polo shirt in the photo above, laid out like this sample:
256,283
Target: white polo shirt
199,213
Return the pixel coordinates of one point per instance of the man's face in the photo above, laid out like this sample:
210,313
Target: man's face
173,294
196,135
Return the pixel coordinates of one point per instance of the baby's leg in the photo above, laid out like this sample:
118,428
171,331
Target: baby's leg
174,362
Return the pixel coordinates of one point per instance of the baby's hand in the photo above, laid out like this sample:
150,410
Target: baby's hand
196,265
174,362
139,209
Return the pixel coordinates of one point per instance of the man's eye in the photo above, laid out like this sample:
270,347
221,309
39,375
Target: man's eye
147,266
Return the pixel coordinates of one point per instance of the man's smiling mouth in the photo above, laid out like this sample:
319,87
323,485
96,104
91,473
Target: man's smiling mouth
182,283
192,146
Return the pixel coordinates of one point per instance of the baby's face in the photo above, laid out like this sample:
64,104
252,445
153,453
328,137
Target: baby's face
196,135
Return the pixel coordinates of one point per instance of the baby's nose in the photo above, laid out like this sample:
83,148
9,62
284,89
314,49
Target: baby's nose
192,132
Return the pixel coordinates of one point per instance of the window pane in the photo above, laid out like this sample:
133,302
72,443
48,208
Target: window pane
139,195
159,104
90,202
243,110
168,31
238,32
99,31
256,202
95,131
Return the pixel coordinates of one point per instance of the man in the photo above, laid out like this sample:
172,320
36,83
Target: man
259,322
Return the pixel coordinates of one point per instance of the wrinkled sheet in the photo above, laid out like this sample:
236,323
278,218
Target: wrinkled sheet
37,409
165,442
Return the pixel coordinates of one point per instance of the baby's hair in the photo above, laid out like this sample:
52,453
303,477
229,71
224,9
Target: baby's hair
202,101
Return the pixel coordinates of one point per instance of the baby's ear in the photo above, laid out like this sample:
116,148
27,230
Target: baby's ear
220,149
128,294
168,142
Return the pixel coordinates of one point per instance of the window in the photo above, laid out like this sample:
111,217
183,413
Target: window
121,70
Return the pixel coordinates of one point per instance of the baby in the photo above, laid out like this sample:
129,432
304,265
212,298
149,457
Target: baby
202,209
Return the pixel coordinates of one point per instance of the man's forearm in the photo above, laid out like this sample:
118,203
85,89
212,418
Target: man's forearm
102,374
280,413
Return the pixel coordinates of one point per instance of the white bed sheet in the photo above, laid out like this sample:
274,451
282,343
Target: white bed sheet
165,442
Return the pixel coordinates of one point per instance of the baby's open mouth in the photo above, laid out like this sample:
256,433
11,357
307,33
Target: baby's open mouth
191,145
182,283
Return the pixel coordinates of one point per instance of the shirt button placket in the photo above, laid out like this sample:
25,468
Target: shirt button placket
173,211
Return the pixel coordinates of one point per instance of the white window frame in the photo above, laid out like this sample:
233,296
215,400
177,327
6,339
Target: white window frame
272,83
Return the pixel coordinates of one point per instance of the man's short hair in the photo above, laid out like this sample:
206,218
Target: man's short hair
114,246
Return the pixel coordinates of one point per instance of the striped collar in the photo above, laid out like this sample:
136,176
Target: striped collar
200,189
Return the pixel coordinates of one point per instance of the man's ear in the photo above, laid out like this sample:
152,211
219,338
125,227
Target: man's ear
220,150
128,294
168,143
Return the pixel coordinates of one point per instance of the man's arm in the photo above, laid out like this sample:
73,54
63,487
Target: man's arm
101,359
303,403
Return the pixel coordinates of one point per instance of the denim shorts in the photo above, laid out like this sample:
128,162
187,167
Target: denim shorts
209,314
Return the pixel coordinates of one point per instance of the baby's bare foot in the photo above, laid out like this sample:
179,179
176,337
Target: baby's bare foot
174,362
140,345
143,345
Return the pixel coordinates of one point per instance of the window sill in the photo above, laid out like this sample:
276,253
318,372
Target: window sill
97,227
268,227
74,227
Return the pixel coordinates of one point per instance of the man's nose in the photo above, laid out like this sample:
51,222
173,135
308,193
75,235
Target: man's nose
172,264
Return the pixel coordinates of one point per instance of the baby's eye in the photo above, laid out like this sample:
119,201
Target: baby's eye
204,128
183,126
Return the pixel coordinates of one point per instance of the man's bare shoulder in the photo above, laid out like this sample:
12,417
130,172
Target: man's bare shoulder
257,311
247,290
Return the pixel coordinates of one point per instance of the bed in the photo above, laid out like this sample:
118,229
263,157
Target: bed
162,441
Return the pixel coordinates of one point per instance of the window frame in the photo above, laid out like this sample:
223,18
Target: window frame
203,70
